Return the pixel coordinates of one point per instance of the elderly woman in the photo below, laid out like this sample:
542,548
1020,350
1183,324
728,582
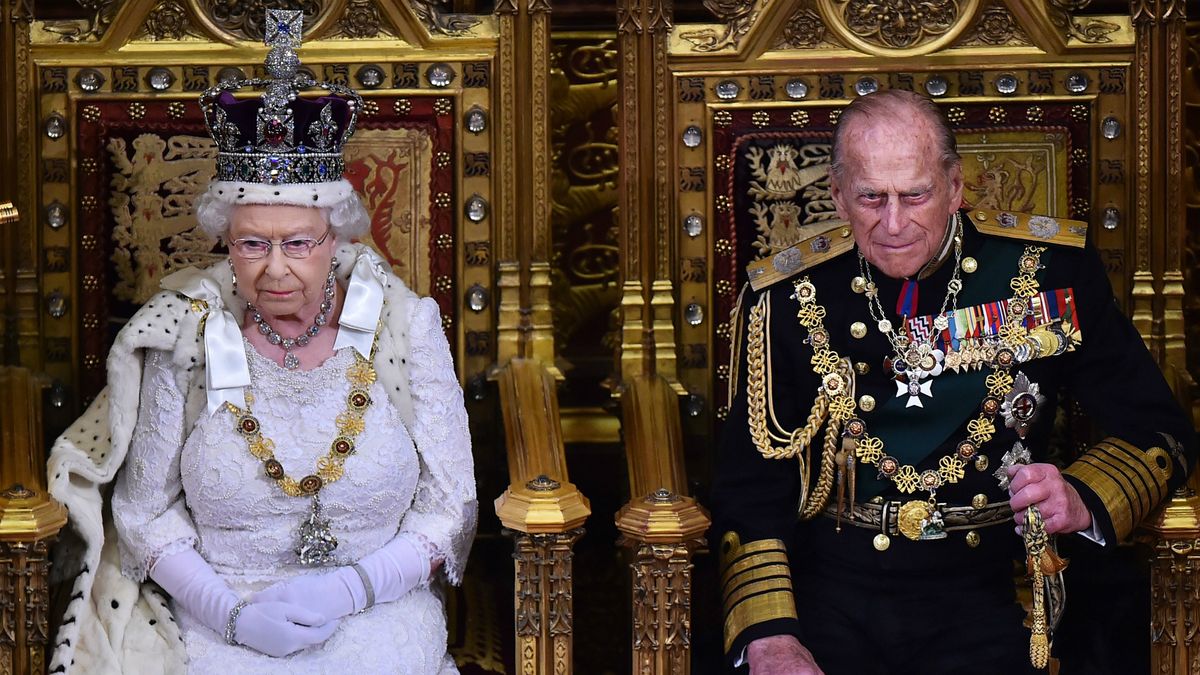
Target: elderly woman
286,432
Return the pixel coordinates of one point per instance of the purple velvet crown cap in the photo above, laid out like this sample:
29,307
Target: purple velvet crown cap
243,113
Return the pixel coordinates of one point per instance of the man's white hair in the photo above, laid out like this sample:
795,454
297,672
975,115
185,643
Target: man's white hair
337,199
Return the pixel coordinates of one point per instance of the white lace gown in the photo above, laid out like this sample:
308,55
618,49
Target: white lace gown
205,489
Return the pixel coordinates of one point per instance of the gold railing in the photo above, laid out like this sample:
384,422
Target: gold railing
1173,535
544,513
29,522
660,526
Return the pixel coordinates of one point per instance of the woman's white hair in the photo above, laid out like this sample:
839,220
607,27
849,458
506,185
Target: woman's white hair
337,199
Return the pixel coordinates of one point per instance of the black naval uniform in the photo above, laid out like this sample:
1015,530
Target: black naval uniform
929,606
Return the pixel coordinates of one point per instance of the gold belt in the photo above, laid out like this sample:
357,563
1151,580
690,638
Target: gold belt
886,516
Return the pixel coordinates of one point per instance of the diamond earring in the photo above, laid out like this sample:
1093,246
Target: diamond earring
233,274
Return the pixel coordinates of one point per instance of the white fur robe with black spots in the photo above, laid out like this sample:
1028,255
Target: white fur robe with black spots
113,625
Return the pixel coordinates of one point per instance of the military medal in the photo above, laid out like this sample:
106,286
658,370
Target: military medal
1020,406
953,360
913,374
1020,410
914,388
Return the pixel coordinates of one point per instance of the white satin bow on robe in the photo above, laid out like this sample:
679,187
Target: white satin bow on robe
226,371
364,303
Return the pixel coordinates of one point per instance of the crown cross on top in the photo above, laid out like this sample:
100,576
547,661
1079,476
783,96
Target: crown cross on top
285,28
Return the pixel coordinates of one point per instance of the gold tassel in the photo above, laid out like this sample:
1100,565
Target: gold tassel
1040,560
1051,563
1039,648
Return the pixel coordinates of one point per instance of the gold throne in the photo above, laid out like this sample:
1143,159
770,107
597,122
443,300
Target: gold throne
662,116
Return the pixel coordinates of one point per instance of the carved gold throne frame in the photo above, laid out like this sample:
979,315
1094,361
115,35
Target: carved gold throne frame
1060,108
104,153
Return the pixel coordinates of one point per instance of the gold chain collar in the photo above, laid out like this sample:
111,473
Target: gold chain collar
361,375
843,408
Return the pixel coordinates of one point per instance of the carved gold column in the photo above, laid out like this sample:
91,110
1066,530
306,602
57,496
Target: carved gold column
662,601
544,512
1163,23
541,508
1159,210
1174,535
661,527
645,203
29,521
15,17
1146,112
523,241
509,303
543,602
1191,200
18,139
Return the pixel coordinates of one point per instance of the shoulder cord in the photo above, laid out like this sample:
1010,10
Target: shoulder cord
814,503
760,397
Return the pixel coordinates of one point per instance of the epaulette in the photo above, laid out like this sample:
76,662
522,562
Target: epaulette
1015,225
807,254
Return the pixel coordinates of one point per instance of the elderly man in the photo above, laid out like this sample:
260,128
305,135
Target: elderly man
914,377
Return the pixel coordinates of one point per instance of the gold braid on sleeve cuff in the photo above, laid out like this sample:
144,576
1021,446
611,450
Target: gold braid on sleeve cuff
756,584
1129,481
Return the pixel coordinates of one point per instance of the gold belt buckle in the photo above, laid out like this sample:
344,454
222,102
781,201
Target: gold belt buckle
920,521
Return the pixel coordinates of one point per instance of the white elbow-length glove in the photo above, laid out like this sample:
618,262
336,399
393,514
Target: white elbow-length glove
273,628
390,572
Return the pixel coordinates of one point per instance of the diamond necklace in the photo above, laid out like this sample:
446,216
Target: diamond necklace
289,359
919,357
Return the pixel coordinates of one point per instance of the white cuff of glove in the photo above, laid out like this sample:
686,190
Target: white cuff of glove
393,570
191,581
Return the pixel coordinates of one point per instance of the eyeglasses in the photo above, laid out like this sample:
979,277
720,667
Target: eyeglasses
250,248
